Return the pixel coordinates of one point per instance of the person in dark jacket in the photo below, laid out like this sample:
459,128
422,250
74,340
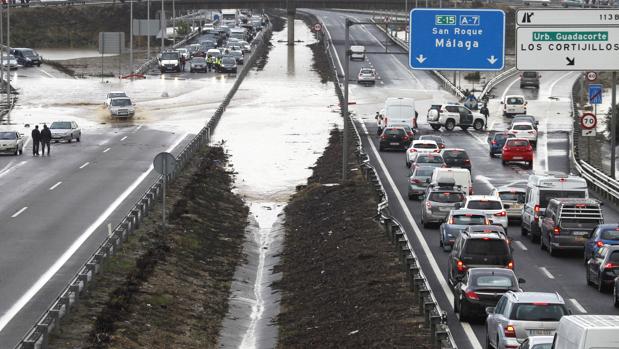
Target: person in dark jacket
485,112
46,139
36,138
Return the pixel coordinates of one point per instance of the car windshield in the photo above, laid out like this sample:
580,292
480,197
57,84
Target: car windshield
423,171
117,94
469,219
446,197
228,60
587,224
425,146
517,143
529,74
501,137
429,159
198,60
546,195
523,119
493,281
486,247
455,154
484,205
366,71
405,127
515,100
395,131
542,346
437,139
512,196
8,135
522,127
169,55
538,312
121,102
612,234
60,125
29,53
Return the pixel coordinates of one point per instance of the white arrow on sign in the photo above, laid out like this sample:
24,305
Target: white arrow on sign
421,58
492,59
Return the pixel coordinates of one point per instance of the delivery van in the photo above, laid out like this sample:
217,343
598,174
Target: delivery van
587,332
461,177
399,110
357,52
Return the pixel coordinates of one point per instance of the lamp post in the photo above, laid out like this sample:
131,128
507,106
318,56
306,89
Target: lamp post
148,34
163,26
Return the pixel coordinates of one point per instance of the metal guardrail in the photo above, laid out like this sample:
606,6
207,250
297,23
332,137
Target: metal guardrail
606,186
497,80
444,81
37,336
435,318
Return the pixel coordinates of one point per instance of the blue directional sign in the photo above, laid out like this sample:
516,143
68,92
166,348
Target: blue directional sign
455,39
595,94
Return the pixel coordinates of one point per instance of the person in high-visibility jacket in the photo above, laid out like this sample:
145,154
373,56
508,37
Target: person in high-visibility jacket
209,63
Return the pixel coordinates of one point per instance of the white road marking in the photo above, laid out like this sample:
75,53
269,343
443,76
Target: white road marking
19,212
468,330
137,128
552,86
546,272
46,73
84,165
520,245
55,186
509,87
49,273
334,49
480,140
8,170
577,305
122,139
106,150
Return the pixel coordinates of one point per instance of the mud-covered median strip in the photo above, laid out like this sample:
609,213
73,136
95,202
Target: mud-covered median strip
343,284
168,289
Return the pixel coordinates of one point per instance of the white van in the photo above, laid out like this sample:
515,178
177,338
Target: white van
541,188
587,332
514,105
399,110
357,52
461,177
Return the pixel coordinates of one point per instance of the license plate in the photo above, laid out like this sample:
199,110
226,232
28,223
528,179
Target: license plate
394,143
581,233
444,209
517,157
541,332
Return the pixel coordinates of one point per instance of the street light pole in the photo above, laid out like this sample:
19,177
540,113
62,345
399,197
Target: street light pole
131,38
163,26
613,127
345,105
148,34
173,22
8,49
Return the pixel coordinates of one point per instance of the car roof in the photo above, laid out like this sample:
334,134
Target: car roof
535,340
522,123
424,141
465,211
431,137
483,198
511,189
576,201
531,297
515,96
502,271
495,235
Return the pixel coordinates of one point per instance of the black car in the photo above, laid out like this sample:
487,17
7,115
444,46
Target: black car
455,157
438,139
481,288
27,57
616,292
603,268
496,141
475,250
393,138
228,65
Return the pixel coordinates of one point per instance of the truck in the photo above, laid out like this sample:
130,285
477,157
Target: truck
229,16
170,61
586,332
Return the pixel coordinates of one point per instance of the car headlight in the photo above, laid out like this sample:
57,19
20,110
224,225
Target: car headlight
28,59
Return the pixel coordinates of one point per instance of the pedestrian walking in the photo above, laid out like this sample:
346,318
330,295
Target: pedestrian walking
485,112
183,61
46,139
209,63
415,120
379,122
36,138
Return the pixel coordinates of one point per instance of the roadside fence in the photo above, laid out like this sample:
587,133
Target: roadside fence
38,336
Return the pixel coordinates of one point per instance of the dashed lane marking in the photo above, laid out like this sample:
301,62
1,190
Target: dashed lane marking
122,139
19,212
577,305
55,186
106,150
546,272
520,245
84,165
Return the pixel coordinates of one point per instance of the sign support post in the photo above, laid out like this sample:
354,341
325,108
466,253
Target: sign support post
345,106
613,126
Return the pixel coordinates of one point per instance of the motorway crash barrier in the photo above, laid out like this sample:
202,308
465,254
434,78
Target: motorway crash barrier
604,185
435,318
38,335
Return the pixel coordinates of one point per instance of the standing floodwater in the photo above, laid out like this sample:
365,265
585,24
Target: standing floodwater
275,129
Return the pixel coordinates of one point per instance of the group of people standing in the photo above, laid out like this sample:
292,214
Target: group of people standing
44,137
212,63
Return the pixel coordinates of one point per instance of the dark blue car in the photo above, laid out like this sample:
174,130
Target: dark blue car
604,234
496,142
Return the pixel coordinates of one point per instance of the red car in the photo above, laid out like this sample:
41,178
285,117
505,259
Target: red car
518,149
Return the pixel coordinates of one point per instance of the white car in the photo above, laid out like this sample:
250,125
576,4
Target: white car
420,146
524,130
514,105
65,131
245,46
492,207
9,61
113,94
366,76
11,142
121,107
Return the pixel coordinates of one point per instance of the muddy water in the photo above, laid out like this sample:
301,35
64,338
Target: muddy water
275,129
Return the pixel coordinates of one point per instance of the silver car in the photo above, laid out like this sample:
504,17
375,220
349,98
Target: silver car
513,200
65,131
366,76
439,201
197,64
121,107
11,142
519,315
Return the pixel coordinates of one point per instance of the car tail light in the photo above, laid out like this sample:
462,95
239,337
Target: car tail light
442,146
451,221
610,266
415,180
556,230
501,214
467,161
461,267
529,148
437,150
405,138
510,265
531,132
412,150
383,136
510,331
493,142
472,295
599,244
428,204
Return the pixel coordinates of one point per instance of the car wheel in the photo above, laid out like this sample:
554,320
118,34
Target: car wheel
535,238
521,86
551,250
435,127
478,125
491,154
456,304
464,313
542,245
380,148
411,197
16,151
464,128
446,248
601,287
488,346
450,125
408,164
78,138
70,139
616,296
588,276
38,65
523,231
504,162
